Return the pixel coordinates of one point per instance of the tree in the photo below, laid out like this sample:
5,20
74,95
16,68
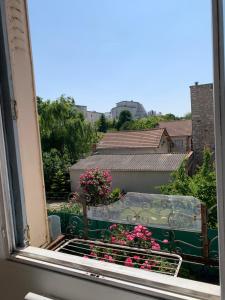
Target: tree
63,127
201,185
188,116
170,117
102,126
65,137
144,123
56,173
179,184
125,116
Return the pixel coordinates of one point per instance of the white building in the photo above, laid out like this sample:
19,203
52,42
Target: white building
91,116
136,109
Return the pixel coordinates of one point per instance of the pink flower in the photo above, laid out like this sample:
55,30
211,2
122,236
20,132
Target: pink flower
136,257
148,233
156,246
165,241
130,237
122,242
113,239
85,256
113,226
139,235
128,262
111,260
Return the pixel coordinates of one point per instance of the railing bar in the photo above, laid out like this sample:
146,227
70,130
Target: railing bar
137,250
147,258
127,247
91,257
134,252
147,255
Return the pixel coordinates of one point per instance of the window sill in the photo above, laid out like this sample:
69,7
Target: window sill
148,283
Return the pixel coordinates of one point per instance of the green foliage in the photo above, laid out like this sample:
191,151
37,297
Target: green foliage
179,184
67,208
201,185
188,116
147,122
170,117
65,137
102,126
124,118
56,172
63,127
144,123
115,195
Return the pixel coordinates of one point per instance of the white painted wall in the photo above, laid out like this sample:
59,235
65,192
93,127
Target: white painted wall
16,280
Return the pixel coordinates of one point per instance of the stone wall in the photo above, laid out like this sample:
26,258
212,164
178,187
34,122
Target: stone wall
202,119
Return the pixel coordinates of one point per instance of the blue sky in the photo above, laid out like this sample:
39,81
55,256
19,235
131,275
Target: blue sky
104,51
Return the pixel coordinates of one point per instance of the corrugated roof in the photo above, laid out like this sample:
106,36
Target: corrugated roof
177,128
131,139
133,162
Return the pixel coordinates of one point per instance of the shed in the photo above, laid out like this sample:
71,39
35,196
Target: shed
132,173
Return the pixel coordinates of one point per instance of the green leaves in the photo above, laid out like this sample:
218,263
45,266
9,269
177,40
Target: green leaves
201,185
102,124
65,137
124,118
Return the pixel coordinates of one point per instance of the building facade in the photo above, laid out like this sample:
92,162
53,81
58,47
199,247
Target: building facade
91,116
202,119
180,132
142,173
135,108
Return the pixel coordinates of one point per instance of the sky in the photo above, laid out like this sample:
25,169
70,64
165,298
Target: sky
104,51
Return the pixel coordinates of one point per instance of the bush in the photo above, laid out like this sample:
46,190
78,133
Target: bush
115,195
201,185
96,185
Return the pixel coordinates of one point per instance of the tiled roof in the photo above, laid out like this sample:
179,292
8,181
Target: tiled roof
131,139
177,128
134,162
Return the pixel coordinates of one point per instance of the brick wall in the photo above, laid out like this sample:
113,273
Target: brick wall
202,119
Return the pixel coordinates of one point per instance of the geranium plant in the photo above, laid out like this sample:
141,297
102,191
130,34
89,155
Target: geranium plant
139,237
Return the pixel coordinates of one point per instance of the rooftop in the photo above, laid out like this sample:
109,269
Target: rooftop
132,139
133,162
177,128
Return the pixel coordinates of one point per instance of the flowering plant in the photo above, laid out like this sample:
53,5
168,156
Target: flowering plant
139,237
96,185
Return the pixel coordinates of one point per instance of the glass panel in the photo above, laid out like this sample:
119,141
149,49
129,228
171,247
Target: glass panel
177,212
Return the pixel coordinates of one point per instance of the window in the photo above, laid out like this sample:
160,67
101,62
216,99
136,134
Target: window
26,159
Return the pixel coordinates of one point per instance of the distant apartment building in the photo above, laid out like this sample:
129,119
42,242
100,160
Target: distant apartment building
202,118
154,113
108,115
91,116
180,132
136,109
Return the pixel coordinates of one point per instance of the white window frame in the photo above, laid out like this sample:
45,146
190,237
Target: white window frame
156,285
